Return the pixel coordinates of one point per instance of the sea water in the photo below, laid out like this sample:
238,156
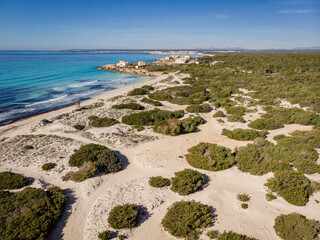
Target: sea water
33,82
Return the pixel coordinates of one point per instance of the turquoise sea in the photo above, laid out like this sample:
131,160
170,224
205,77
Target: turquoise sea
33,82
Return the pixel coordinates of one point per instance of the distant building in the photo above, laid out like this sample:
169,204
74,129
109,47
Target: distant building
122,64
141,64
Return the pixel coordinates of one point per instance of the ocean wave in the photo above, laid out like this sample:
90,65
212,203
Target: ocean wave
75,85
46,101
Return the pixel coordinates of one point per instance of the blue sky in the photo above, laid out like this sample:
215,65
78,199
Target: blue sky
160,24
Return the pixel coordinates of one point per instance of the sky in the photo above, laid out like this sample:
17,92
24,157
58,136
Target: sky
158,24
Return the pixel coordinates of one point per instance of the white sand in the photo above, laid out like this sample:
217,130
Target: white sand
148,154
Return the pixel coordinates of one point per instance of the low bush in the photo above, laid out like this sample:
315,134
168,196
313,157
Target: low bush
212,234
235,118
236,110
148,118
294,187
79,127
187,181
243,197
137,91
159,181
132,106
175,126
295,226
152,102
270,197
9,180
197,108
30,213
103,122
311,138
186,219
87,170
106,235
209,156
233,236
244,134
219,114
148,87
244,205
160,96
28,147
123,216
48,166
93,117
265,124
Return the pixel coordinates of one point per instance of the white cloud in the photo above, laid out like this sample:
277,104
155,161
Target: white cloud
298,11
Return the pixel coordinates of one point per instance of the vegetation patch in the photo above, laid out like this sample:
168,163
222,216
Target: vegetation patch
30,213
160,96
152,102
244,134
132,106
265,124
294,226
159,182
197,108
138,91
235,118
79,127
244,205
28,147
243,197
186,181
209,156
294,187
106,235
236,110
9,180
102,122
187,218
219,114
123,216
48,166
233,236
270,197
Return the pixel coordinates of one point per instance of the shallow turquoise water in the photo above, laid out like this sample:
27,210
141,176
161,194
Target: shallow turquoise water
33,82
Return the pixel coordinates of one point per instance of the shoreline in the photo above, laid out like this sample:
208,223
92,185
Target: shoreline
29,121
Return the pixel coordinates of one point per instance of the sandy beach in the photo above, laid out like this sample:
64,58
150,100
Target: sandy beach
144,154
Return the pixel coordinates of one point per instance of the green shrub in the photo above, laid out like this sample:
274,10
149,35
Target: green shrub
236,110
121,237
233,236
132,106
219,114
123,216
106,235
209,156
270,197
148,118
244,205
87,170
243,197
138,91
235,118
160,96
186,181
244,134
28,147
265,124
294,187
48,166
204,108
93,117
45,121
149,101
311,138
9,180
212,234
175,126
148,87
103,122
30,213
294,226
79,127
159,181
186,219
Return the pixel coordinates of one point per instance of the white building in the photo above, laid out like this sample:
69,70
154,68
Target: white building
122,64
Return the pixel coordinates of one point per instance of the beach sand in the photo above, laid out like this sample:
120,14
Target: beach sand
145,154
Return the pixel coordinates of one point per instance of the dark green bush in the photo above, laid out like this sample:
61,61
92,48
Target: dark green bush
138,91
294,187
106,235
233,236
265,124
209,156
294,226
148,118
235,118
311,138
160,96
148,87
186,181
212,234
123,216
9,180
186,219
93,117
244,134
159,181
244,205
236,110
270,197
219,114
87,170
79,127
48,166
30,213
204,108
243,197
152,102
28,147
103,122
132,106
